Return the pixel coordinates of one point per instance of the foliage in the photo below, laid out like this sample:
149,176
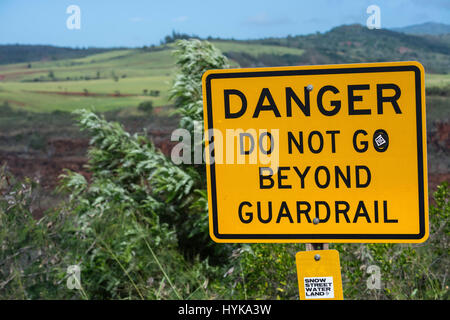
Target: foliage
407,271
194,57
146,106
264,271
28,256
267,271
356,43
110,226
177,36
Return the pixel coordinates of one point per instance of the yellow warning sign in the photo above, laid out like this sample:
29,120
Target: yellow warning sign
332,153
319,275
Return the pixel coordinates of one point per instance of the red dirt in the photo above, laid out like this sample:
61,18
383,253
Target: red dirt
17,103
63,153
439,137
87,94
15,74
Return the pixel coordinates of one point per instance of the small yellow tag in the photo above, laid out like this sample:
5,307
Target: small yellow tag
319,275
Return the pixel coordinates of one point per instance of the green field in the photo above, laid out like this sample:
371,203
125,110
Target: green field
116,79
437,80
255,49
103,81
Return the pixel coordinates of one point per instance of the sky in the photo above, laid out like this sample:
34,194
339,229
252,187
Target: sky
134,23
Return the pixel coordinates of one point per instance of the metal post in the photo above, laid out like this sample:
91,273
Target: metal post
317,246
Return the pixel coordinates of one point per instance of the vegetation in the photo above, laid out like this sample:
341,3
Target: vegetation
15,53
356,43
146,106
138,227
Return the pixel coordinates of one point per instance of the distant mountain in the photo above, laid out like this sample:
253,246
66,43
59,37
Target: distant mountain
17,53
356,43
432,28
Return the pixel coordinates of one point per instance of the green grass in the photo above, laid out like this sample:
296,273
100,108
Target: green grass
101,82
255,49
106,80
437,80
115,79
39,102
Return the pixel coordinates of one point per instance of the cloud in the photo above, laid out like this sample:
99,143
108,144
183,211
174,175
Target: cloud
262,19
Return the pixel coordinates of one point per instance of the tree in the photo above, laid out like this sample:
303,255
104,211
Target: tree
194,57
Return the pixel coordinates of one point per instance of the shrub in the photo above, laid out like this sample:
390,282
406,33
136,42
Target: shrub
408,271
37,141
129,211
28,254
146,106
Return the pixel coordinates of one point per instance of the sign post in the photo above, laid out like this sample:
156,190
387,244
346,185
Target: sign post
317,154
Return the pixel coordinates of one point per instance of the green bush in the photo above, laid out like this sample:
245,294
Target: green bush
37,141
29,257
137,228
408,271
146,106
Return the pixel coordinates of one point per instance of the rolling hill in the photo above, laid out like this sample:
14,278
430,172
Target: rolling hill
119,78
108,80
15,53
355,43
432,28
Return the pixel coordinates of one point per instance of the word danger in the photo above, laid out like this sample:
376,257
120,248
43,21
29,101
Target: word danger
268,103
319,288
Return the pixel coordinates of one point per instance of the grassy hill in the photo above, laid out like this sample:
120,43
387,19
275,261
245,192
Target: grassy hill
123,78
432,28
110,80
102,81
356,43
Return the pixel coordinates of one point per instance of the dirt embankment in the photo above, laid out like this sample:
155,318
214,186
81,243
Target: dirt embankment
85,93
439,135
64,153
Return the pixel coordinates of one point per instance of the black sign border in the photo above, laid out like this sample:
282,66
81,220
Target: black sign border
284,237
